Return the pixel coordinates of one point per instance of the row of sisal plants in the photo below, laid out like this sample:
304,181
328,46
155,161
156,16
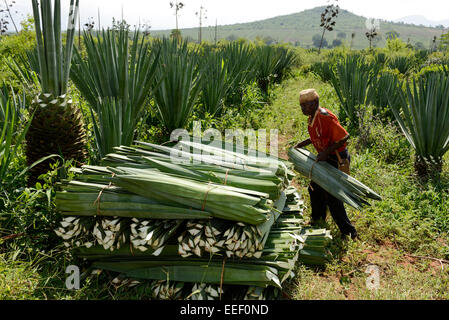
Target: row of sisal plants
123,74
418,102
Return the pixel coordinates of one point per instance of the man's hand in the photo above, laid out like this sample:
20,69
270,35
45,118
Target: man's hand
303,144
322,156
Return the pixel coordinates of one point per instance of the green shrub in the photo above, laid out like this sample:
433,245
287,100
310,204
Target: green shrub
383,139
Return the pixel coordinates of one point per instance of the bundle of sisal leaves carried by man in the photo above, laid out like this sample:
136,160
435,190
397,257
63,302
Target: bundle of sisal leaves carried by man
334,181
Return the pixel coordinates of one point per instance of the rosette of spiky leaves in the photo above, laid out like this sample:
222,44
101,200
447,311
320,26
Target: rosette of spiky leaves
10,138
203,291
323,69
287,60
57,126
216,83
178,83
166,290
267,63
116,79
383,90
403,64
351,80
240,63
154,234
25,67
380,58
423,114
77,231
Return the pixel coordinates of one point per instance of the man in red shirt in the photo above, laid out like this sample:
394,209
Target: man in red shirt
330,141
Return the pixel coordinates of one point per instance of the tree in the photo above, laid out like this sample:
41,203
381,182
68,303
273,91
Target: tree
444,40
146,27
6,16
3,25
341,35
232,37
328,20
318,41
269,40
391,35
420,46
118,25
201,15
434,44
395,45
352,39
90,24
336,43
175,34
371,34
177,6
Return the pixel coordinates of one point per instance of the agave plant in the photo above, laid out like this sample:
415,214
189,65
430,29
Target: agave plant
351,80
323,69
10,138
445,65
115,79
380,58
287,60
383,92
57,126
273,64
401,63
25,67
267,64
422,55
178,76
239,63
423,114
216,84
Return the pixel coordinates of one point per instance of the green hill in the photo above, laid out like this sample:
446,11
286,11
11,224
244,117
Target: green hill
301,27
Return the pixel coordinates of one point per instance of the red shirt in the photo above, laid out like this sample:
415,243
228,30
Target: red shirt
325,130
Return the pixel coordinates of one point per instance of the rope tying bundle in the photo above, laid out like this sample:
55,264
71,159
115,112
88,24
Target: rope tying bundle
98,200
226,178
205,196
310,174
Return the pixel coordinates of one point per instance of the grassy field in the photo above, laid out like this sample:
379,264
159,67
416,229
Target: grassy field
405,235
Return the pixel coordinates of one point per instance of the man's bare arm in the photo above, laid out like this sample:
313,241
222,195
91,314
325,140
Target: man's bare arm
325,154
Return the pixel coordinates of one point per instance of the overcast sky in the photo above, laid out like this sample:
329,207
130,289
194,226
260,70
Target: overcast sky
160,16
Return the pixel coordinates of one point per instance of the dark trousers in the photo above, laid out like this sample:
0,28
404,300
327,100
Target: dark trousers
321,199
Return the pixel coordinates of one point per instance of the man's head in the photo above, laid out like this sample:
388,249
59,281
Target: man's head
309,101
